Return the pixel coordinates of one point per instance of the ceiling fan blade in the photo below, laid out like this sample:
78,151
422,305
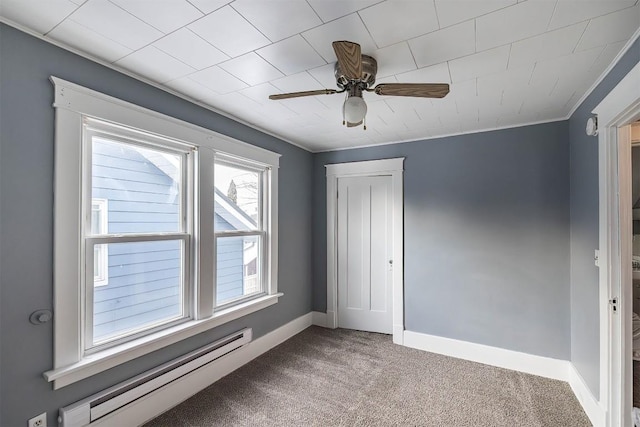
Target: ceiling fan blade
305,93
423,90
349,58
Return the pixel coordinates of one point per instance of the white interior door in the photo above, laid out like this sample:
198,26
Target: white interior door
365,267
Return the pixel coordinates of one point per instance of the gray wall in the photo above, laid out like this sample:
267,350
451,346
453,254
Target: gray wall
486,236
26,209
585,317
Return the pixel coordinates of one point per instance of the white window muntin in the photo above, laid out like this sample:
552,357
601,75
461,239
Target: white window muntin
98,129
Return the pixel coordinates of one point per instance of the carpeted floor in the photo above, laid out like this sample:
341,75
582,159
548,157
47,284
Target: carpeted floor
324,377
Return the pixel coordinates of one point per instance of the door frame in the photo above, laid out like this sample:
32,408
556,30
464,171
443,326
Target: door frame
386,167
618,109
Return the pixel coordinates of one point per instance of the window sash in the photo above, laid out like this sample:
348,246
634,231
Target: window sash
262,260
130,137
88,312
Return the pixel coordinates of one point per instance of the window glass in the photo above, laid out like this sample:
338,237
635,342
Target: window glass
142,185
238,268
145,289
238,196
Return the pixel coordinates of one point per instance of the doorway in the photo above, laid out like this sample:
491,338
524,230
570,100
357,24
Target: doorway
619,109
365,246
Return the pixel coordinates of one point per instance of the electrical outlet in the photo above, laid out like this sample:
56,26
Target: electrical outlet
39,421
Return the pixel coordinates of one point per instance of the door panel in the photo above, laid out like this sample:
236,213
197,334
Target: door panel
364,251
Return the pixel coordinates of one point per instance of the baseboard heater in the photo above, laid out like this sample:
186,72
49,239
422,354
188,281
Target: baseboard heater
91,409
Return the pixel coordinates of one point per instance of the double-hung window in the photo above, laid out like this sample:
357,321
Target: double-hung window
162,230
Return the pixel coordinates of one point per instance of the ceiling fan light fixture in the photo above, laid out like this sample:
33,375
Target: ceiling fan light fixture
354,109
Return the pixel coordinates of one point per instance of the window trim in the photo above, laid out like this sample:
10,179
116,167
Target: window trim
73,102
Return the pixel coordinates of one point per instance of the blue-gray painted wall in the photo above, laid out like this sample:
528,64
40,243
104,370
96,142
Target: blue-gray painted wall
486,241
585,317
26,222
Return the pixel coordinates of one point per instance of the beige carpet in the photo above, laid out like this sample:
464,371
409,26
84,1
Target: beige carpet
324,377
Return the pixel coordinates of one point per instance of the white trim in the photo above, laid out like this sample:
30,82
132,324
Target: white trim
114,356
606,72
591,406
516,361
161,400
79,99
394,168
319,319
620,107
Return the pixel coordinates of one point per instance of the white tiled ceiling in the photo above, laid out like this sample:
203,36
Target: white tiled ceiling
509,62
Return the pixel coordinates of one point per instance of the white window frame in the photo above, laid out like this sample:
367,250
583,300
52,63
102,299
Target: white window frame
262,226
74,103
101,277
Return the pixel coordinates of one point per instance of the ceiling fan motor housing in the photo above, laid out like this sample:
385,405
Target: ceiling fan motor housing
369,70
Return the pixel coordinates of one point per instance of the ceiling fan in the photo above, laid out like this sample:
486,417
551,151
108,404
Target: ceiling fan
356,73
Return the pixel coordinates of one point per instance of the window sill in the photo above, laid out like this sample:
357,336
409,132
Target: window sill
98,362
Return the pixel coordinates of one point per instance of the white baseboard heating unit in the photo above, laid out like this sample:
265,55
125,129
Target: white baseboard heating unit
91,409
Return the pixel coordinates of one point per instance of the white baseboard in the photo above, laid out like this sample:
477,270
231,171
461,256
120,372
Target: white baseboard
508,359
154,404
319,319
591,406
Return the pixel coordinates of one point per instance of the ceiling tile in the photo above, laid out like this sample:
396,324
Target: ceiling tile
615,27
208,6
393,21
297,83
545,46
82,38
227,30
260,94
328,10
306,106
571,11
513,23
267,16
325,75
394,59
155,64
512,80
479,64
291,55
40,16
453,12
112,22
348,28
190,88
191,49
218,80
434,74
165,15
605,58
546,73
251,69
439,46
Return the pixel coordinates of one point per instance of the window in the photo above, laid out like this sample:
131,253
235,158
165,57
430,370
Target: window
240,230
162,230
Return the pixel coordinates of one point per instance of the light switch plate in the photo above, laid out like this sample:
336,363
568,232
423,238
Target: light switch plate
596,258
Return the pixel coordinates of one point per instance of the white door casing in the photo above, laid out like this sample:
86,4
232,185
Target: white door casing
618,109
394,169
365,265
